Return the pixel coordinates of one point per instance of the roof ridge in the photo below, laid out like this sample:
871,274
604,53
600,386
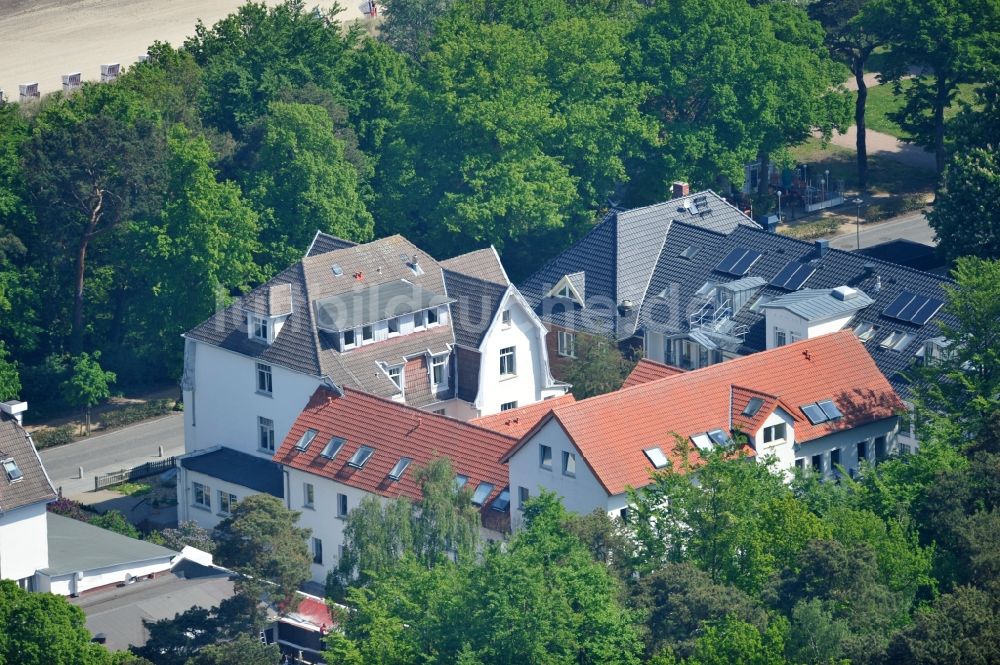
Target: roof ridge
313,329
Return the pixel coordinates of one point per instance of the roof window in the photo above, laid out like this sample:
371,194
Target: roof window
821,412
689,252
897,340
460,481
702,441
401,466
864,331
753,406
333,447
502,501
829,408
483,491
361,457
13,471
336,270
718,437
656,456
307,437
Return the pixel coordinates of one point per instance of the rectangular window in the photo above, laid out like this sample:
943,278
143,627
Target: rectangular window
432,317
862,451
779,337
264,381
522,497
201,495
349,338
439,365
623,515
568,463
566,344
793,337
800,463
418,320
260,328
317,551
545,456
834,457
508,366
394,326
396,374
367,333
507,406
265,434
227,502
439,412
341,505
308,495
817,463
881,449
505,318
774,433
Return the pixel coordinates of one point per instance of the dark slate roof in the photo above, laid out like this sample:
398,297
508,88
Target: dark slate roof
232,466
617,258
34,485
475,306
679,278
324,243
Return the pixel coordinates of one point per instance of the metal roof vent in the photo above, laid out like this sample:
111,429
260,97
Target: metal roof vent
626,306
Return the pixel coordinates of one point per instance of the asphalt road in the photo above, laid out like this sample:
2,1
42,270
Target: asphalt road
911,227
120,449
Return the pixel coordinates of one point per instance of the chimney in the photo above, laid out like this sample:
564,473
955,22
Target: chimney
681,188
822,247
416,260
14,409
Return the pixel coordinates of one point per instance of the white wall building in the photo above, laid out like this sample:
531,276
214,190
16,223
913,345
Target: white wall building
819,403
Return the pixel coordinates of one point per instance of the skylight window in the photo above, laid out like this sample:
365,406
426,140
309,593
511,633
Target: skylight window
333,447
702,441
897,340
336,270
13,471
460,481
753,406
401,466
830,409
307,437
359,458
718,437
483,491
689,252
502,501
656,456
864,331
814,414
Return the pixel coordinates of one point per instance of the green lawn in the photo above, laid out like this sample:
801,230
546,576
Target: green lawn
882,102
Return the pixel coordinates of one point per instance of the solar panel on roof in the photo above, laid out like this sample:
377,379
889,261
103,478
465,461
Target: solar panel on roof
830,409
793,276
744,263
732,259
814,414
913,308
753,406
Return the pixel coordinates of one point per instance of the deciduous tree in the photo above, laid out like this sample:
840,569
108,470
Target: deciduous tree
89,384
964,219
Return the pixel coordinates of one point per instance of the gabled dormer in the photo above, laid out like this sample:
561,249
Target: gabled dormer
571,287
267,313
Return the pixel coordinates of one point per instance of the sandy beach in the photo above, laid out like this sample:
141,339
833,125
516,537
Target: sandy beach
40,40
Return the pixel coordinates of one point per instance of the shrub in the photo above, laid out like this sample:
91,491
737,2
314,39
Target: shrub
136,413
56,436
72,509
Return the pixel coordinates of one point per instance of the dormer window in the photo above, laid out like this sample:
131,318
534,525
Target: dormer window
396,375
12,470
260,328
394,326
418,320
367,334
570,287
349,339
565,292
432,317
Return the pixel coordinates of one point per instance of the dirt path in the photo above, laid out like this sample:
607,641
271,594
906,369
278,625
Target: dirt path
884,145
40,40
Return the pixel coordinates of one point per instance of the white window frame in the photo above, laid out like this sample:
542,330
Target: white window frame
779,333
505,318
522,497
566,344
398,370
508,361
260,328
227,502
342,507
265,425
433,313
542,449
389,325
367,339
205,493
354,339
308,495
771,431
265,380
419,320
569,464
439,364
508,406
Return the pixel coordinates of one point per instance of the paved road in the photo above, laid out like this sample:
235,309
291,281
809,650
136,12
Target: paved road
109,452
911,227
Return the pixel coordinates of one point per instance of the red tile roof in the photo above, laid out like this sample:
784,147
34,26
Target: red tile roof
648,370
394,430
313,612
611,431
517,422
